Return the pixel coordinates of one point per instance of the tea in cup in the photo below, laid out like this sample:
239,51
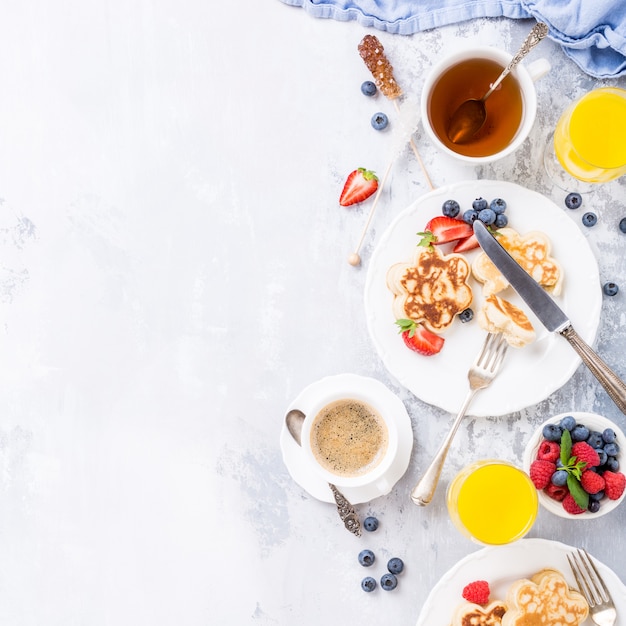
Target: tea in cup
511,108
350,442
492,502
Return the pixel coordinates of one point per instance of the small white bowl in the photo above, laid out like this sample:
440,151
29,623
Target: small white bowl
593,422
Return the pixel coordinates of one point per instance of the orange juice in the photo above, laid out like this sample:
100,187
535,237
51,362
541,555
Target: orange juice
492,502
590,137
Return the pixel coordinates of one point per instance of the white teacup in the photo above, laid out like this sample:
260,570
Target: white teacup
511,109
350,439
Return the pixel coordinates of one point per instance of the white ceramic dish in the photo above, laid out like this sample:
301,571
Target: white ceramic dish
592,421
501,566
530,374
294,458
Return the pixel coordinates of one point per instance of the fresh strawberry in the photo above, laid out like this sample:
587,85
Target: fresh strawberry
359,186
420,339
463,245
445,229
476,592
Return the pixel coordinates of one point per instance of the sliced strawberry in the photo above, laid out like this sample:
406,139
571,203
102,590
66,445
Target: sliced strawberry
463,245
419,339
446,229
359,186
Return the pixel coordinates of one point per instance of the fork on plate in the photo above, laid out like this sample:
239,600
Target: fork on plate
480,375
593,588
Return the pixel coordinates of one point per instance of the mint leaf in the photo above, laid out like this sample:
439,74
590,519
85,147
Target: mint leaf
566,447
581,497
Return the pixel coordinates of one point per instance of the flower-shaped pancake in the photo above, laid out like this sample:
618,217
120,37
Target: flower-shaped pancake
432,289
476,615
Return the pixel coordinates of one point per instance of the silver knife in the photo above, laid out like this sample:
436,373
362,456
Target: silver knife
549,313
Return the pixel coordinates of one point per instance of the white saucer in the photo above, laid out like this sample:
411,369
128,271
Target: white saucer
294,459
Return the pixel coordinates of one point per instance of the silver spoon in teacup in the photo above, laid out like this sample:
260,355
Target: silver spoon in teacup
294,420
469,118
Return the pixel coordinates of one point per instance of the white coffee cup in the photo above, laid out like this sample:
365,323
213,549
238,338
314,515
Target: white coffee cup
375,409
525,77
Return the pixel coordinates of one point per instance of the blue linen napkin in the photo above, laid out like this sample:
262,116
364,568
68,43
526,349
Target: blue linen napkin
591,32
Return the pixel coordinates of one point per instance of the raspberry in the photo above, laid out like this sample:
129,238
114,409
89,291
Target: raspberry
477,592
549,451
556,492
541,472
614,484
584,452
569,504
591,482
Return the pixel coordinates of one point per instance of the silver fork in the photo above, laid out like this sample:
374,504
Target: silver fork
480,375
592,586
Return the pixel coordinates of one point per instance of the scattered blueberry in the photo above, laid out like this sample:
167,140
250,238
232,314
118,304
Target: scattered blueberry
594,506
612,464
568,423
388,582
610,288
595,439
379,121
590,219
612,449
368,88
604,457
370,524
368,584
450,208
487,216
470,216
366,558
395,565
498,206
479,204
608,435
559,478
501,220
622,224
552,432
573,200
580,433
466,315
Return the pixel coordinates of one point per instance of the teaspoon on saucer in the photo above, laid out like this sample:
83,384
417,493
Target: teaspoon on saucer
349,517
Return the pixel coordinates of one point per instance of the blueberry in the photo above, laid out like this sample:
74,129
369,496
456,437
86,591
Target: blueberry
610,288
573,200
590,219
595,439
470,216
597,496
368,88
594,506
608,435
501,220
498,206
479,204
602,455
580,433
559,478
366,558
612,449
388,582
466,315
370,524
622,224
559,463
568,423
612,464
552,432
380,121
395,565
487,216
450,208
368,584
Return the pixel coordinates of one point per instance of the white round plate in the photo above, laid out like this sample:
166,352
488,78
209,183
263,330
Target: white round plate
500,566
530,374
592,421
293,456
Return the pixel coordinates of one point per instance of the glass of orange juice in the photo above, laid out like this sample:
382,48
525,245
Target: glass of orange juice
589,142
492,502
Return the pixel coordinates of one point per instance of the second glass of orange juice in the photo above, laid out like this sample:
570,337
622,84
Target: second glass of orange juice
589,144
492,502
